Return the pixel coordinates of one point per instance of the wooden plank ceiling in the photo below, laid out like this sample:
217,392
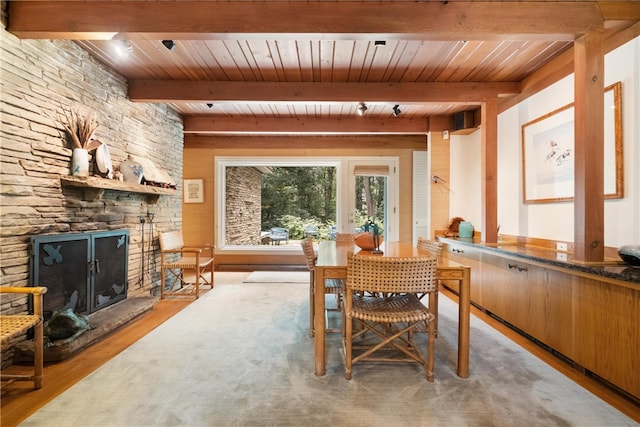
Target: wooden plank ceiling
303,67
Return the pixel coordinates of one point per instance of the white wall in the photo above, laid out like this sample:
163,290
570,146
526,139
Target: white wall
465,196
552,220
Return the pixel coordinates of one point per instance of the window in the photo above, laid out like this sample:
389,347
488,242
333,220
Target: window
269,204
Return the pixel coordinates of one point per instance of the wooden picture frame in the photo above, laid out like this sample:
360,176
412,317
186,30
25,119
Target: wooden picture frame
193,190
548,152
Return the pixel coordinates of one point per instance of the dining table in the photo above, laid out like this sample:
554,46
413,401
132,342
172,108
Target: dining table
331,263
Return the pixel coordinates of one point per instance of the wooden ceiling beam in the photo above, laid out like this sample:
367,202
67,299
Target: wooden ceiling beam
203,125
454,20
292,92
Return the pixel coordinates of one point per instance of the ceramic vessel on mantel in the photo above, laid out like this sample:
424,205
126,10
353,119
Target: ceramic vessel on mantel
80,162
131,170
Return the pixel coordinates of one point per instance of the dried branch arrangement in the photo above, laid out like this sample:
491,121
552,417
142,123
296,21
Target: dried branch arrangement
80,128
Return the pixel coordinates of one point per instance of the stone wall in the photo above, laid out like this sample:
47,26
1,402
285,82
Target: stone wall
244,214
39,79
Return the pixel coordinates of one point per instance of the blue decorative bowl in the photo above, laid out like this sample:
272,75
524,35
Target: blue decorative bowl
630,254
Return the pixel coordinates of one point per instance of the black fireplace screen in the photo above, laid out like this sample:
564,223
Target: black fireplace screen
84,272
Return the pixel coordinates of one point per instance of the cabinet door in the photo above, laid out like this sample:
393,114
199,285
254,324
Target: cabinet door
466,256
550,309
495,279
608,332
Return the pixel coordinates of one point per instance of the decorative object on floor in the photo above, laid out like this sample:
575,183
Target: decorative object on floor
66,325
131,170
630,254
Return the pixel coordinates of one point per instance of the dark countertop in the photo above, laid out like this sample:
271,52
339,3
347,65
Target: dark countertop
614,269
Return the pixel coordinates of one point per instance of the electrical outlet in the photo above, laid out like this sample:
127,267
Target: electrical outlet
561,256
561,246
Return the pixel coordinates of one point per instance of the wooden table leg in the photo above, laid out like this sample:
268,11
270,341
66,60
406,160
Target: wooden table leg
319,322
464,322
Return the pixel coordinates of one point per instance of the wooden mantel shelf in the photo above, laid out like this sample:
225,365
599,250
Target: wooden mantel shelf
94,187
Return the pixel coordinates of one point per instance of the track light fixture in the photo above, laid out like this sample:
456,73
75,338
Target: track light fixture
169,44
210,105
361,109
396,110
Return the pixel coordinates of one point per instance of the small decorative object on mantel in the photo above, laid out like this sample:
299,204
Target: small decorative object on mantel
104,166
131,170
80,129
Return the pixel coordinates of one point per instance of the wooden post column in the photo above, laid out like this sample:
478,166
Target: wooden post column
489,170
589,148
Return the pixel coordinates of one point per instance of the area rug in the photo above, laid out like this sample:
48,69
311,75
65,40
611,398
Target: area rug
241,356
278,276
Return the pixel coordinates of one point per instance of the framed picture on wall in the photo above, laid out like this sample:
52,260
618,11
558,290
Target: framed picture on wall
548,152
193,190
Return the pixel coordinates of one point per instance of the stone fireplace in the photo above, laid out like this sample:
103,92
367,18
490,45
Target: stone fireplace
41,80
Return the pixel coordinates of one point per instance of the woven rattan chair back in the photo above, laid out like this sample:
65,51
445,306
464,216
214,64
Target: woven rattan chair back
345,237
431,246
310,258
309,253
399,275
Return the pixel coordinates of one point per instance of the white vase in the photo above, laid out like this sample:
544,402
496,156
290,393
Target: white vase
80,162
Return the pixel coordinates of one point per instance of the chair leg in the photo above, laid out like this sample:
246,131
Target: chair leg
431,344
312,309
162,279
348,343
38,354
435,307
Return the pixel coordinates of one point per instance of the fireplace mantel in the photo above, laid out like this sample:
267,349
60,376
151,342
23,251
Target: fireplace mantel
94,187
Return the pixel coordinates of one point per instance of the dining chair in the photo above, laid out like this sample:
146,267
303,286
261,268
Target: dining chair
345,237
434,248
390,310
331,286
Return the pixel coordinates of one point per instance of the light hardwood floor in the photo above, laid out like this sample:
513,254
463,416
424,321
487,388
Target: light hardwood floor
19,400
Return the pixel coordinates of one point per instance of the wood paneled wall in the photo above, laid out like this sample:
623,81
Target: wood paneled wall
199,159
